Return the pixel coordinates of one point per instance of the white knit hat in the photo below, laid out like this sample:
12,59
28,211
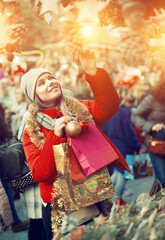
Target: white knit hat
28,82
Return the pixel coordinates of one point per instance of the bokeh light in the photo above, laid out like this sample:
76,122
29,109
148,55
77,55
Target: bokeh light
86,30
3,26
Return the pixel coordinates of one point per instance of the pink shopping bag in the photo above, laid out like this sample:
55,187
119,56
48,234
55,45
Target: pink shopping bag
92,150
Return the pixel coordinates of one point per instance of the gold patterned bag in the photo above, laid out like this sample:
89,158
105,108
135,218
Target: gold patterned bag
83,192
71,194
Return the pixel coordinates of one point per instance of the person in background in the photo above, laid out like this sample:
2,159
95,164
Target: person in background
6,218
146,87
14,113
9,82
50,111
139,133
32,201
120,130
3,127
149,116
17,225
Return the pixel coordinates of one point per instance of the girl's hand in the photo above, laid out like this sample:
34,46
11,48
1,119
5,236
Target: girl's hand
19,115
88,62
157,127
60,125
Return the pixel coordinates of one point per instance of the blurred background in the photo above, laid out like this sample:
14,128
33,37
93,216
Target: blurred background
128,38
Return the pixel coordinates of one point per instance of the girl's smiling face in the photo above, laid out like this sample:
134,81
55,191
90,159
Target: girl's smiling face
48,89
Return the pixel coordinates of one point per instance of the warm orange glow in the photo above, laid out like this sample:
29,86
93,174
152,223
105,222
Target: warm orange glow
157,42
152,42
163,39
92,33
3,36
86,30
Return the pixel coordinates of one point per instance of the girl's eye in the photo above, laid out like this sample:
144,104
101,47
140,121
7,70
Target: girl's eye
41,83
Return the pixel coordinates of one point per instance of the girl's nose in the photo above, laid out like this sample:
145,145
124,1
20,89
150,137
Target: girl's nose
50,83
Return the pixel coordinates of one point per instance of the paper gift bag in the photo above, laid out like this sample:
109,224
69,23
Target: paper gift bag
130,160
83,192
92,150
70,194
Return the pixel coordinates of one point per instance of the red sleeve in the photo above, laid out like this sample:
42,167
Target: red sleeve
106,101
42,162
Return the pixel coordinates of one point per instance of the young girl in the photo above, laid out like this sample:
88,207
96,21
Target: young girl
49,113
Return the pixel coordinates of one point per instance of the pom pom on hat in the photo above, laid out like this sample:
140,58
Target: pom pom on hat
28,82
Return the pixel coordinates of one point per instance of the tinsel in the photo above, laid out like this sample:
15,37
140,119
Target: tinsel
36,136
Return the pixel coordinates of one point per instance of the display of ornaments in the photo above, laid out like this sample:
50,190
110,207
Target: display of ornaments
111,14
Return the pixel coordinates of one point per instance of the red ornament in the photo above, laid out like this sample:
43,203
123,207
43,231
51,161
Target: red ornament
84,125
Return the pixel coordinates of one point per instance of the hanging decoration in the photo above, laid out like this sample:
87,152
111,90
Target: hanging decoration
50,11
13,28
78,20
106,25
111,15
65,3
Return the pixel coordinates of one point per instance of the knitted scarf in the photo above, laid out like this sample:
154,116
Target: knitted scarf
36,119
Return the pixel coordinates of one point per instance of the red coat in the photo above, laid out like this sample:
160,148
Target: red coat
42,163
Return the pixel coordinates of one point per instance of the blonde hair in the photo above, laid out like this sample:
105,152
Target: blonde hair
62,103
